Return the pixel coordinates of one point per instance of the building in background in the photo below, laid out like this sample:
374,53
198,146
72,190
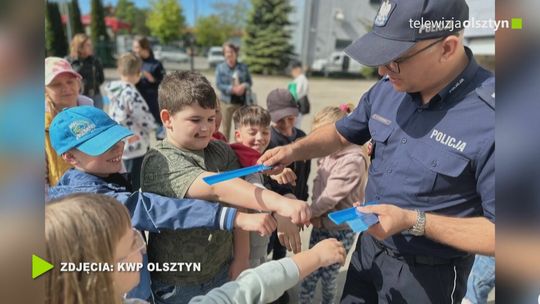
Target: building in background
323,28
482,40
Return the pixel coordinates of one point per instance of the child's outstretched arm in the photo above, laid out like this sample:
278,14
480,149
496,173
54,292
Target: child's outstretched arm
324,253
154,212
268,281
240,193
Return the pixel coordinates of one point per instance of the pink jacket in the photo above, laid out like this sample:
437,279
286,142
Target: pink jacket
341,181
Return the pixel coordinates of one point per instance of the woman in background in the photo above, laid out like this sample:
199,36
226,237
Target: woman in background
82,59
152,75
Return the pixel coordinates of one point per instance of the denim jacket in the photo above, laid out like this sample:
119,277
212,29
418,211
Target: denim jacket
224,78
149,211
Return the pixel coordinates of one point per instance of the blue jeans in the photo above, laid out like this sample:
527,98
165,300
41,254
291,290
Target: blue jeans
481,280
180,294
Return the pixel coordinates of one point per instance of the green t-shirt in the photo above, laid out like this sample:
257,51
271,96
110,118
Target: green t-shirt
170,171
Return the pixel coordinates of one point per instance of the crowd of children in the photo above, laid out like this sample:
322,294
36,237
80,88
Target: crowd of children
113,179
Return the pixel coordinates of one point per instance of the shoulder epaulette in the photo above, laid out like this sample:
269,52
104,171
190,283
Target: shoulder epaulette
486,92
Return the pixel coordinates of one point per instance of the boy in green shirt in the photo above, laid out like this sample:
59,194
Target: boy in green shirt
176,167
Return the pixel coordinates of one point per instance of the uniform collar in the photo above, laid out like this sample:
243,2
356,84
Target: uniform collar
456,87
460,83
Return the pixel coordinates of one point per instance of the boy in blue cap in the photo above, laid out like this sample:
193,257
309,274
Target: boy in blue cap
92,142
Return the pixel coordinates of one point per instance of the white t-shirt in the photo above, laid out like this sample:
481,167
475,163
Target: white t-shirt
302,86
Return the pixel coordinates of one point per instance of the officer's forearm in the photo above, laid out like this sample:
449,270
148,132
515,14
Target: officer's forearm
321,142
475,235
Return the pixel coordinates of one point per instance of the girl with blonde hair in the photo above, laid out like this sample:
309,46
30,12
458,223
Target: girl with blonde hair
82,228
62,90
94,228
340,182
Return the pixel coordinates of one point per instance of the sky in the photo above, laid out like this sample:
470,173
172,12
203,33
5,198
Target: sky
204,7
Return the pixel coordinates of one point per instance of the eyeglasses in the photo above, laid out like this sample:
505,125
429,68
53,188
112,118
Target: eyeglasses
393,66
138,245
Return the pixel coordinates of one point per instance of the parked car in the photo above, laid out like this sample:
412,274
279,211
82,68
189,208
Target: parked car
215,56
170,53
337,62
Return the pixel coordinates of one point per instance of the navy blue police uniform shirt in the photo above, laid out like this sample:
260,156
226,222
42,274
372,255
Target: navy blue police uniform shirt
437,157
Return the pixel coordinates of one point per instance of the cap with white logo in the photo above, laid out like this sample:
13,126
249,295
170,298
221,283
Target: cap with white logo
399,24
86,128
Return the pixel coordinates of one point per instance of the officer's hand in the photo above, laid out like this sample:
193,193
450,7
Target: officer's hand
278,157
392,220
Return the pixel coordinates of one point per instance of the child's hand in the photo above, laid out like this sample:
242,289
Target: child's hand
298,211
287,176
148,76
288,234
237,266
263,223
330,251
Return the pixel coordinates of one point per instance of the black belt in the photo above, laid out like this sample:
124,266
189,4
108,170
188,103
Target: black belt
418,259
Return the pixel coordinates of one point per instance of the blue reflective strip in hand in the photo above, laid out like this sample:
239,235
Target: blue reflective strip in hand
221,177
358,221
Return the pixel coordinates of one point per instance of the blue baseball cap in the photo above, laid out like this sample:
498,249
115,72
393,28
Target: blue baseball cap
86,128
399,24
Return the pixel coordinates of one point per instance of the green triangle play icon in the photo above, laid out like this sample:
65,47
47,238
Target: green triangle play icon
39,266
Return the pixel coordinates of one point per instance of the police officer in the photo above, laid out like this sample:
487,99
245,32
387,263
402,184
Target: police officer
432,120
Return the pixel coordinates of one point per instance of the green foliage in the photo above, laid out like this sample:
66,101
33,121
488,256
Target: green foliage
98,30
139,24
55,37
212,30
232,13
369,72
166,20
266,42
75,18
127,11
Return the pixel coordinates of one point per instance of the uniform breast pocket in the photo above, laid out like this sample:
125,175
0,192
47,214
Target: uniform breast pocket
380,133
435,172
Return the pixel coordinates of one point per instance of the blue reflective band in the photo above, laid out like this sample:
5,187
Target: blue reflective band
358,221
221,177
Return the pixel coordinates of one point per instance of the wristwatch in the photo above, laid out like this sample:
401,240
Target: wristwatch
419,228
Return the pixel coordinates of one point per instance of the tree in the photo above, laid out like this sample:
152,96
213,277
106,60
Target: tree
232,13
55,37
211,30
139,24
128,12
166,20
97,23
75,17
266,42
125,10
